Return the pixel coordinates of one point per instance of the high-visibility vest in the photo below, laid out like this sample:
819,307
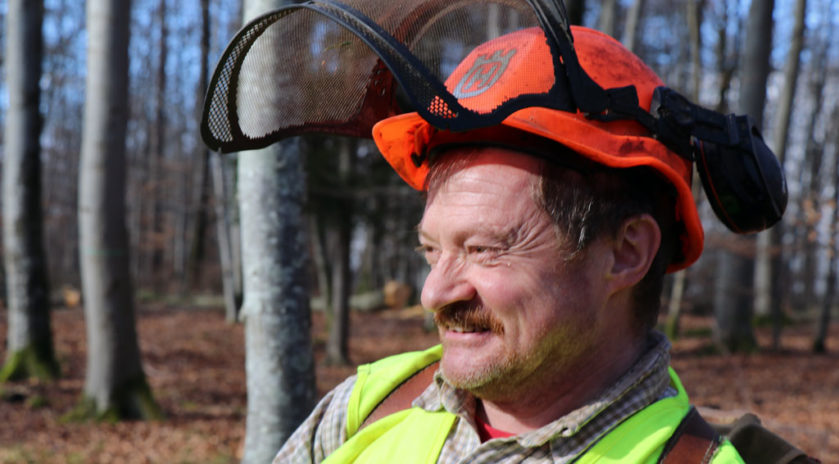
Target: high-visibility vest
416,436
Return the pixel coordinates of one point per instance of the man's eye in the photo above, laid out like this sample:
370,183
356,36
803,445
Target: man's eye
483,254
428,252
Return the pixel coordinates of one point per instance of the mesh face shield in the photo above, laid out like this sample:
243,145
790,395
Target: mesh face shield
325,66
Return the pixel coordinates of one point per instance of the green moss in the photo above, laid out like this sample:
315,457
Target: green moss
34,361
76,458
37,402
84,410
131,401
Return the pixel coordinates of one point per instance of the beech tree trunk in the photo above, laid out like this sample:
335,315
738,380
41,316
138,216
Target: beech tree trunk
630,33
279,361
339,232
733,300
157,153
196,254
820,340
224,231
115,384
278,351
575,10
608,17
30,350
677,291
768,277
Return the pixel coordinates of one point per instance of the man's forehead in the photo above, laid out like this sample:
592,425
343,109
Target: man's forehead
482,164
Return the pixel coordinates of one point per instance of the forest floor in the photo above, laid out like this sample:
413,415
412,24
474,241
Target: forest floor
195,365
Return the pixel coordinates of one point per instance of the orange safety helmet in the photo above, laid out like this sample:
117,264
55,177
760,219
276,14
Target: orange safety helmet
519,63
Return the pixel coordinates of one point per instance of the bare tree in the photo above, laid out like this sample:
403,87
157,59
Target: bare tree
733,303
608,17
339,232
694,21
157,147
630,33
30,349
812,168
115,384
820,340
279,362
768,283
226,239
196,258
575,9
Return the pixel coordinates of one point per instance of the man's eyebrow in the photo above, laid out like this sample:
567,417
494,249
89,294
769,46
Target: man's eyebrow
421,233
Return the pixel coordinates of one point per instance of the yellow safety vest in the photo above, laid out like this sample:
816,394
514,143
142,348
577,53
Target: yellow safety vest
416,436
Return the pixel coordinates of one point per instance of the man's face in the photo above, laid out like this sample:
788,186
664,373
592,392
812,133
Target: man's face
510,309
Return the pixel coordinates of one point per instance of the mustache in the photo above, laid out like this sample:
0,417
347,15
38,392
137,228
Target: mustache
467,314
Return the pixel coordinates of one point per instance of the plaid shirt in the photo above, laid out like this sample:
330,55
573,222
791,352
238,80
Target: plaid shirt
561,441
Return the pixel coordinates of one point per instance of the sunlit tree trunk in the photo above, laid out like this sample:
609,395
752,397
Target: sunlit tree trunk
30,350
115,385
733,302
279,363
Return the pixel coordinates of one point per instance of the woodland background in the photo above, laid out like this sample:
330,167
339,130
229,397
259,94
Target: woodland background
161,307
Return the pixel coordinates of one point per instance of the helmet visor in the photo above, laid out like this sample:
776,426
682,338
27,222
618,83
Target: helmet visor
340,67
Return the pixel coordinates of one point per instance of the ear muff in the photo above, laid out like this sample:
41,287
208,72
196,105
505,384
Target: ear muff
742,178
744,183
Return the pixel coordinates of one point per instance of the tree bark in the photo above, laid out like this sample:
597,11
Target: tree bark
30,351
608,15
575,9
115,384
769,284
820,340
726,64
694,21
339,233
813,155
733,305
157,156
196,255
630,33
279,362
224,232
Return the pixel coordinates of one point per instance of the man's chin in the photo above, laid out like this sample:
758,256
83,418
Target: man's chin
468,369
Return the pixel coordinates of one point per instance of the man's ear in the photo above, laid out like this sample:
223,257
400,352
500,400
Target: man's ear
635,247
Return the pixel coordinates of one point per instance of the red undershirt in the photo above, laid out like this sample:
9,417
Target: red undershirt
487,432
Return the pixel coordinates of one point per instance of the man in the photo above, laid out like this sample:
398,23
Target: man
548,237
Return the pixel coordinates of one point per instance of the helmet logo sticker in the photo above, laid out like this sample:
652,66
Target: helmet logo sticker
484,73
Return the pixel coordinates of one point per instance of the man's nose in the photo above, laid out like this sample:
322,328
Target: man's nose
446,284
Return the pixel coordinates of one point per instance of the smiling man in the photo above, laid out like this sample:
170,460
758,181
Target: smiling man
516,309
548,237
